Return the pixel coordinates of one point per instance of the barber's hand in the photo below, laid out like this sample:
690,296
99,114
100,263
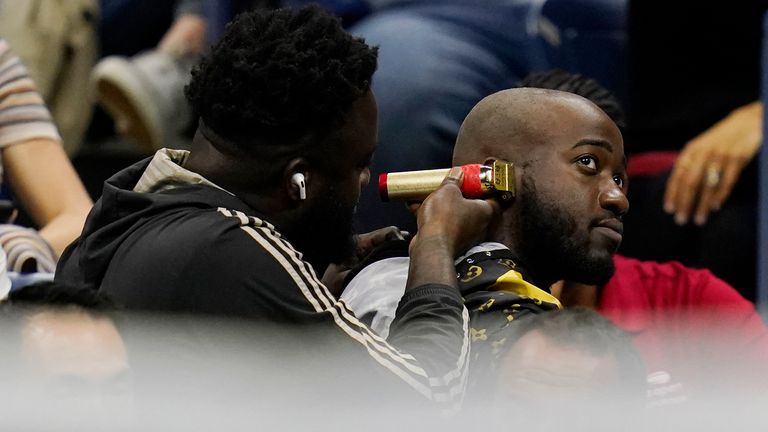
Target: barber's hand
454,221
367,242
710,164
335,274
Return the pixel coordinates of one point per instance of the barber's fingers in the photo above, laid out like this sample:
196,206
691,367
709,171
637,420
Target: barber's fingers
455,176
413,206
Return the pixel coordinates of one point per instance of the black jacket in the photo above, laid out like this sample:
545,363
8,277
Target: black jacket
199,249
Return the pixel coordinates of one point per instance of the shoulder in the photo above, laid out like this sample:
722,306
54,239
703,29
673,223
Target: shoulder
199,240
671,283
225,238
216,261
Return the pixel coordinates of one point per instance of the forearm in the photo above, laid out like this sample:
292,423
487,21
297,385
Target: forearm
47,186
432,325
431,322
431,262
64,229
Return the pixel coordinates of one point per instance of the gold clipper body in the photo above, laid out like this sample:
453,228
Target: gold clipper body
480,181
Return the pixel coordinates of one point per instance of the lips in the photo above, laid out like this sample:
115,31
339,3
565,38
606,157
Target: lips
611,228
612,224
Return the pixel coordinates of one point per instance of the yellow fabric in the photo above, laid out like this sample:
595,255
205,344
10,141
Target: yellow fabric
513,282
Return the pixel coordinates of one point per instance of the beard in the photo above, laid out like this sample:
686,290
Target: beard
325,233
553,245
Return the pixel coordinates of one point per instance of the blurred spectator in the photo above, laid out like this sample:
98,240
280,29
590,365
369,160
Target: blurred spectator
694,79
141,80
69,359
573,357
57,42
60,41
37,172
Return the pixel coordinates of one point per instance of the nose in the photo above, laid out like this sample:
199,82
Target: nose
365,178
613,198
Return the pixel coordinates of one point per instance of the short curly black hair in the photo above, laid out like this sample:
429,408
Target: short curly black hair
588,88
278,76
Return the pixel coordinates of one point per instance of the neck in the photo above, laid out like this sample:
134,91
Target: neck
573,294
238,175
502,232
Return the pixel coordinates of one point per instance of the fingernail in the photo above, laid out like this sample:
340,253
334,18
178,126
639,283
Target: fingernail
680,219
700,220
669,208
716,206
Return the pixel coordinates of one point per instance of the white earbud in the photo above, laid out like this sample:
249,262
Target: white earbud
298,180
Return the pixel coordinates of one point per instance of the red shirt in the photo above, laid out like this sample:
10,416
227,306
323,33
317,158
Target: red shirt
692,329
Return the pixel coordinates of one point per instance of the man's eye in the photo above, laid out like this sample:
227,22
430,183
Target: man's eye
619,181
589,162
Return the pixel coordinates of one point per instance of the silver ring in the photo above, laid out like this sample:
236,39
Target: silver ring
712,176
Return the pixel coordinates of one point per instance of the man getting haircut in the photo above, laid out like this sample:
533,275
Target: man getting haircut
237,225
686,322
564,223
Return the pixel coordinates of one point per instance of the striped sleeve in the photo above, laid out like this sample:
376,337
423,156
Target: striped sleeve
23,114
430,348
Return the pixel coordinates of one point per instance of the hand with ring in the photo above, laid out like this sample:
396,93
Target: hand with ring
712,176
710,164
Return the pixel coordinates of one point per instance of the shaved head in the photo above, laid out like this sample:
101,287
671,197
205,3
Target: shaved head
565,222
510,123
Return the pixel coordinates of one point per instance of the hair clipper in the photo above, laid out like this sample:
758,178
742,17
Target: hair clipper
480,181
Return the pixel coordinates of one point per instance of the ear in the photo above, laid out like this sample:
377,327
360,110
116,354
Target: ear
296,180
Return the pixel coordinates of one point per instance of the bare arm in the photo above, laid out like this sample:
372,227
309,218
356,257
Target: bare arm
48,187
